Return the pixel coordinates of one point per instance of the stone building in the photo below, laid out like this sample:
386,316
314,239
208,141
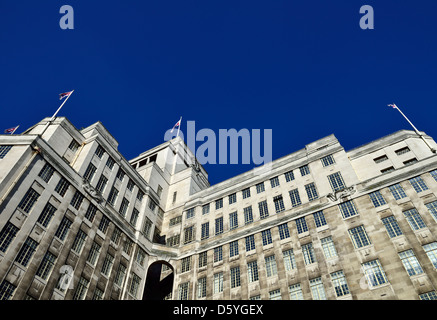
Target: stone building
79,221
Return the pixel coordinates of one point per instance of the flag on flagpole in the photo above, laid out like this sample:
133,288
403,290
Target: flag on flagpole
11,130
65,94
178,124
393,106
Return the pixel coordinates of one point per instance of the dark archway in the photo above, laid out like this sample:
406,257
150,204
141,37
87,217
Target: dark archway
156,287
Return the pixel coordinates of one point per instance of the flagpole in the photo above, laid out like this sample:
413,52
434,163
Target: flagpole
15,129
54,115
415,129
179,127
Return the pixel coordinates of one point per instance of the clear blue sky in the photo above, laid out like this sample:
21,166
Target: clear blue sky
304,69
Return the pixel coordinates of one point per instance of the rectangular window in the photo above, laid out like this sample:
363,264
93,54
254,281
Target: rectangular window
77,200
418,184
190,213
274,182
301,225
205,209
260,187
289,176
410,262
123,207
205,231
284,232
130,185
101,184
29,200
134,217
380,159
359,237
232,198
218,254
219,226
434,174
233,220
397,191
26,252
3,151
140,195
402,151
271,268
328,160
295,292
317,289
304,170
328,247
107,265
319,219
428,296
174,221
63,228
431,252
266,236
374,273
263,209
113,196
275,295
219,204
134,285
279,203
93,255
308,253
252,271
348,209
336,181
339,282
46,266
311,191
233,248
410,161
388,170
89,172
110,163
46,215
246,193
377,199
183,291
248,215
203,259
79,241
186,264
121,273
104,224
289,260
218,282
295,198
91,212
127,246
46,172
99,151
147,227
82,288
141,257
188,234
201,288
414,219
7,235
250,243
432,208
235,277
6,290
62,186
121,174
392,226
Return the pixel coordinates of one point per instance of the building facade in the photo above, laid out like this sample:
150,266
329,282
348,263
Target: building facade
79,221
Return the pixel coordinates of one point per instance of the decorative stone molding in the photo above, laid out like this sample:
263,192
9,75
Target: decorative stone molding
340,194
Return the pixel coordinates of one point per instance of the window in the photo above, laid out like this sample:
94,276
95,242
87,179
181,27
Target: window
63,228
410,161
188,234
275,295
295,198
127,246
77,200
26,252
432,208
190,213
402,151
284,232
263,209
246,193
257,297
134,217
233,220
201,288
271,268
308,253
205,231
410,262
266,236
374,273
328,247
252,271
134,285
434,174
235,277
219,204
397,191
414,219
186,264
347,209
140,195
130,185
98,294
6,290
250,243
147,227
388,170
328,160
339,282
46,215
377,199
295,292
152,206
174,221
218,254
274,182
29,200
317,289
46,266
301,225
104,224
94,253
121,174
289,176
183,291
113,196
359,237
110,163
203,259
121,273
205,209
116,236
107,265
3,151
101,184
392,226
304,170
99,151
91,212
218,282
311,191
232,198
248,215
319,219
141,257
46,172
418,184
260,187
82,288
336,181
123,207
233,249
89,172
62,186
289,260
380,159
428,296
431,252
219,226
79,241
279,203
7,235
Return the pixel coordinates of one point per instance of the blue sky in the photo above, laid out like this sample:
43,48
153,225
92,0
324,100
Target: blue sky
304,69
